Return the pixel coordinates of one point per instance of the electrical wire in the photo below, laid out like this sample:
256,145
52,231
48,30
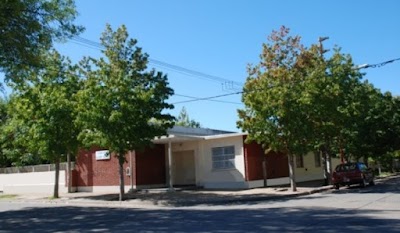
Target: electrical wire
365,66
176,68
219,101
208,98
182,70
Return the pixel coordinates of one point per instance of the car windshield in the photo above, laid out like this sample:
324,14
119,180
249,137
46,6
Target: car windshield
346,167
362,167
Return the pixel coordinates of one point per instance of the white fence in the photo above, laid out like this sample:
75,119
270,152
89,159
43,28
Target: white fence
34,168
32,179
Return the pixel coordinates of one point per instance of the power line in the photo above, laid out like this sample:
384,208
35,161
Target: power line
197,98
95,45
225,82
208,98
365,66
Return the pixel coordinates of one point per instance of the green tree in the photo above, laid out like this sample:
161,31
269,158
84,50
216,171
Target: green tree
45,107
183,119
275,113
332,87
122,103
29,28
377,126
4,159
14,139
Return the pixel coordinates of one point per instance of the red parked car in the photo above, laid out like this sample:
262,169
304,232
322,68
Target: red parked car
352,173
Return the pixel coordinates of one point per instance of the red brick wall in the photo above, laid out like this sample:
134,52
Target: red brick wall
148,168
277,163
92,172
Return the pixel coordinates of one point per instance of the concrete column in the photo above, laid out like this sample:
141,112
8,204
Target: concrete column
170,185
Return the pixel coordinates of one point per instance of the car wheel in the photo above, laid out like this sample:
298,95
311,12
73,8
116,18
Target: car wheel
336,186
363,183
372,183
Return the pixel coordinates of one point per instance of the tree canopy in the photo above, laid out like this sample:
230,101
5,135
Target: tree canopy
29,27
44,110
121,105
298,101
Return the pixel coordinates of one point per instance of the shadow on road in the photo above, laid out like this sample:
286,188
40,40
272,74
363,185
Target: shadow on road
390,185
84,219
198,197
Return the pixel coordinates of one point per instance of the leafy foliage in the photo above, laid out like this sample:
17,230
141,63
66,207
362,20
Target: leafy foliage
121,104
296,101
183,119
275,105
29,27
44,111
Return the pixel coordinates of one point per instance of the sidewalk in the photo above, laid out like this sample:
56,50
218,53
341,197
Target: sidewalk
158,198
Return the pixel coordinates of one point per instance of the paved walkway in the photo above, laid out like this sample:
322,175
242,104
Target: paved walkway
158,198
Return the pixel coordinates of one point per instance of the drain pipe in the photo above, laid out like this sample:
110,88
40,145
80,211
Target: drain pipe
131,168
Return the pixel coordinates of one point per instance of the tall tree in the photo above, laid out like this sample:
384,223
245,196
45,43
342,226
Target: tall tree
46,107
183,119
122,103
275,113
29,27
332,87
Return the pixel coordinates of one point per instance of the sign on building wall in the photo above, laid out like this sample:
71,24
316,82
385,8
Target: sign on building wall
102,155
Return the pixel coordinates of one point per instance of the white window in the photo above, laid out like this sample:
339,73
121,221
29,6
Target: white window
223,157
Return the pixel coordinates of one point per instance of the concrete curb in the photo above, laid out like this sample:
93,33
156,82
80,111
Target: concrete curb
248,198
272,198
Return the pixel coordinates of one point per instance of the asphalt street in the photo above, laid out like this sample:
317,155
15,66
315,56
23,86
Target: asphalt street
370,209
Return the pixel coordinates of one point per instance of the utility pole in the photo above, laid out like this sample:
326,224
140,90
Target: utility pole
327,160
321,46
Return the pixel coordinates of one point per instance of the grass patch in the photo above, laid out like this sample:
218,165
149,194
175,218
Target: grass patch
386,174
7,196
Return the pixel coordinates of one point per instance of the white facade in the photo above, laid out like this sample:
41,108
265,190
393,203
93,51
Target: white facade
311,171
203,175
192,164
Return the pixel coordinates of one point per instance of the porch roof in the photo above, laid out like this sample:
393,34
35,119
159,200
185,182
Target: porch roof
184,138
176,138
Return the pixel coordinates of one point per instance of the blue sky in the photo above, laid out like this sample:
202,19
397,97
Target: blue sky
220,37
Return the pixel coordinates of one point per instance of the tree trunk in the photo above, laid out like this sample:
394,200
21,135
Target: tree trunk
264,167
57,175
292,175
327,165
121,160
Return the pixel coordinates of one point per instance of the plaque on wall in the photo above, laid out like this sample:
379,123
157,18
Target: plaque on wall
102,155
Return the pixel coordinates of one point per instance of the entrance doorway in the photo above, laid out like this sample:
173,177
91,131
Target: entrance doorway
183,168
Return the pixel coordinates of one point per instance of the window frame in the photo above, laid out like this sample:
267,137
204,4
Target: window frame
225,160
299,161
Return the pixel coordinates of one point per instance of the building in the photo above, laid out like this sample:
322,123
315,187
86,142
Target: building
206,158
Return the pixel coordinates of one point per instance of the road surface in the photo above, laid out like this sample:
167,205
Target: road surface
370,209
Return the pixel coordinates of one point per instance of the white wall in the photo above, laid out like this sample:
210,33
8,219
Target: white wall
204,174
310,172
223,179
32,182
